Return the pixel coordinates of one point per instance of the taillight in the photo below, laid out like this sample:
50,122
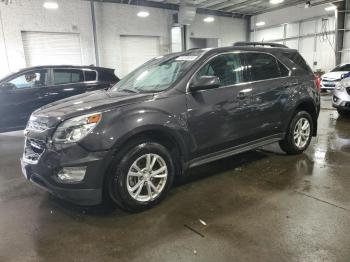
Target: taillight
317,83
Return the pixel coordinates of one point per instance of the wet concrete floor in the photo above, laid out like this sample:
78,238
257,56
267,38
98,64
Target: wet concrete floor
257,206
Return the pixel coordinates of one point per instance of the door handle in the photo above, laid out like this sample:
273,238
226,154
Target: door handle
244,93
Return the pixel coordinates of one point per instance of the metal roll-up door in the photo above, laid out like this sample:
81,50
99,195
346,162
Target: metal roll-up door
45,48
136,50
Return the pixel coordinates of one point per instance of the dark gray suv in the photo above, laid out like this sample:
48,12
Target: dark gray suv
174,112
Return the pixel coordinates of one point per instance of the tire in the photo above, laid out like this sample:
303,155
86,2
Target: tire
130,170
290,143
343,113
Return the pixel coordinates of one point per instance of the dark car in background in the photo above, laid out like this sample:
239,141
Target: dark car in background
25,91
174,112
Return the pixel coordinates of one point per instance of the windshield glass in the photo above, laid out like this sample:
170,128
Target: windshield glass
157,74
341,68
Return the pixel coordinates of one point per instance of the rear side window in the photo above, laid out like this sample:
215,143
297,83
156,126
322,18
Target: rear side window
67,76
107,75
297,59
264,66
90,75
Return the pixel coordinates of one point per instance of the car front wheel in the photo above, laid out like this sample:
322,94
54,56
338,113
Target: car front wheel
142,178
299,134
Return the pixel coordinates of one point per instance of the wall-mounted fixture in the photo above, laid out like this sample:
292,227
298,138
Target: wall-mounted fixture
209,19
143,14
261,23
50,5
275,2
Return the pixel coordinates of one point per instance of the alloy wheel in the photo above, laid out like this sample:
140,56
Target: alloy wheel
147,177
302,133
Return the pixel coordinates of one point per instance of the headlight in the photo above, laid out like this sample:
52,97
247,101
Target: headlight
75,129
339,86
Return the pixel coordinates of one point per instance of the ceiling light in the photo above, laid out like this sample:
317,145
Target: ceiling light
260,23
275,2
50,5
209,19
330,8
143,14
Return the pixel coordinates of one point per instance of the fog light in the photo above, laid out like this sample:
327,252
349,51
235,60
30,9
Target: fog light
71,174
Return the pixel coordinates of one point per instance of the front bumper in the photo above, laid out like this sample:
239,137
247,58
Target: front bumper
42,170
341,99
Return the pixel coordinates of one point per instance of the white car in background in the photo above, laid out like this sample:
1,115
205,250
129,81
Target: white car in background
329,80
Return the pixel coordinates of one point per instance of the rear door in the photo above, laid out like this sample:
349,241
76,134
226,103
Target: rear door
269,83
67,82
25,96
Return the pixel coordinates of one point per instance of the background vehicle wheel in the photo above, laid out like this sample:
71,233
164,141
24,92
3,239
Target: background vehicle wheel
142,177
299,134
343,113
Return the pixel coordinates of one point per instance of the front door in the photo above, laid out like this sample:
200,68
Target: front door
218,118
24,96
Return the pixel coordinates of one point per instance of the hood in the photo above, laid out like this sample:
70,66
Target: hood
334,75
86,103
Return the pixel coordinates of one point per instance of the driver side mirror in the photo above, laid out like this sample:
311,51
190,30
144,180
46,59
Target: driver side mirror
204,83
5,87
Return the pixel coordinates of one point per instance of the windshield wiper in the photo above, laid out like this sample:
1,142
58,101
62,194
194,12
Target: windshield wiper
129,91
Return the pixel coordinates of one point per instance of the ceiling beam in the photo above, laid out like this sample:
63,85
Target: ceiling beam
227,3
208,3
231,8
313,3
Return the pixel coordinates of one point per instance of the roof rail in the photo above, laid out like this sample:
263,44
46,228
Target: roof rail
259,44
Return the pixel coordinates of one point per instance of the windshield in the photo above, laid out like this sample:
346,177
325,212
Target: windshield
341,68
157,74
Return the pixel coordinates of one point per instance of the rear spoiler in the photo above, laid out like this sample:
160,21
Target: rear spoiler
259,44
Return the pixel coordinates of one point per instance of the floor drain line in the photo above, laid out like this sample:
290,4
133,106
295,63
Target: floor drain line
193,230
323,201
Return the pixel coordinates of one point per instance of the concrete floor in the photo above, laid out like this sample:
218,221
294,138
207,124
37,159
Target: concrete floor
258,206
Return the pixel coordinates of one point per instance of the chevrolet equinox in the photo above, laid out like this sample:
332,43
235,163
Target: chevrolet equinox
177,111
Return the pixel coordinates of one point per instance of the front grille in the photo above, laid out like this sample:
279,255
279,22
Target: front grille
328,83
33,150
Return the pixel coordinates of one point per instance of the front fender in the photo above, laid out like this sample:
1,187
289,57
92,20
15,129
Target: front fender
121,124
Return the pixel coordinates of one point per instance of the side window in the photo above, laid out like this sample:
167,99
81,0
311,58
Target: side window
67,76
262,66
32,79
90,75
227,67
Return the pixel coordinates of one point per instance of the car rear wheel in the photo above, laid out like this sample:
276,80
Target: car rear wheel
299,134
142,177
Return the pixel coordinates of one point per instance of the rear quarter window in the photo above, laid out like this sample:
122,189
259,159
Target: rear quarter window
298,60
90,75
108,76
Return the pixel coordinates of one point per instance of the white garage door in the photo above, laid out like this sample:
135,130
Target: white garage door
51,48
136,50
